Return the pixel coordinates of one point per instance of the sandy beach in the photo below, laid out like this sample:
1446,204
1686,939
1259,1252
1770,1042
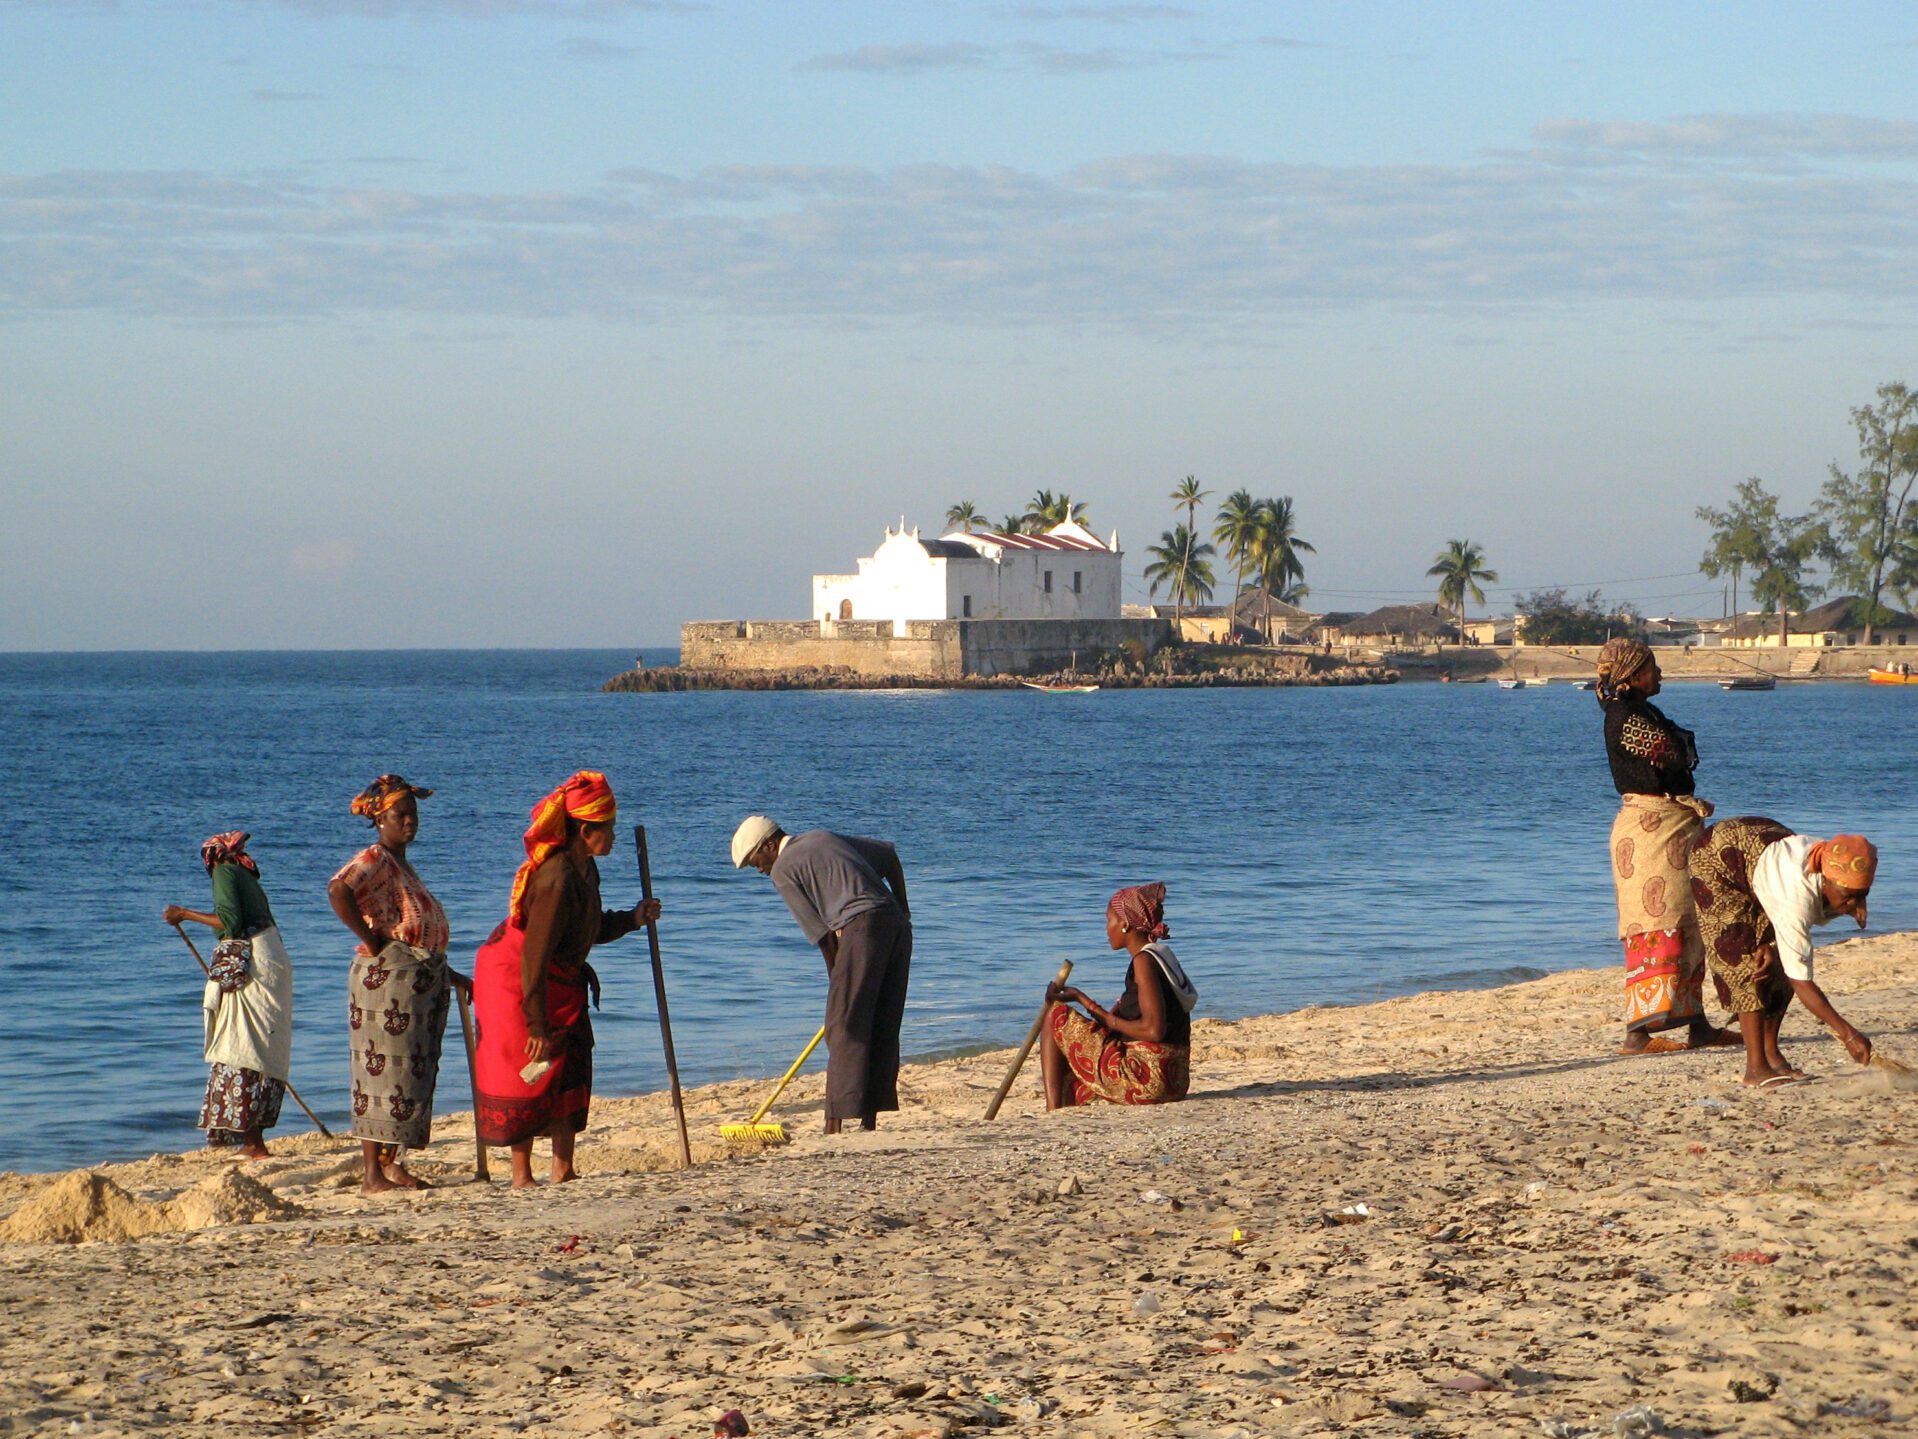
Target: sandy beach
1445,1214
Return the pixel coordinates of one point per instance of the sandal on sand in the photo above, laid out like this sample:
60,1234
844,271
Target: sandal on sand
1657,1045
1781,1081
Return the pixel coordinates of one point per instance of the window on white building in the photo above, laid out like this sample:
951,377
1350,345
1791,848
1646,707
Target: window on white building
965,606
1075,583
1048,581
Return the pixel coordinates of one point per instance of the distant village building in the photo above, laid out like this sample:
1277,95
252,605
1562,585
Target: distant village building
1254,617
1392,626
1067,573
1834,623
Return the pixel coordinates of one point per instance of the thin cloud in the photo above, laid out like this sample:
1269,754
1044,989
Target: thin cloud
960,55
595,50
1745,137
478,9
1154,243
285,97
1098,14
1286,42
906,59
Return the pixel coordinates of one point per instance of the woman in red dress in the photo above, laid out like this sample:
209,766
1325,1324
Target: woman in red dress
530,981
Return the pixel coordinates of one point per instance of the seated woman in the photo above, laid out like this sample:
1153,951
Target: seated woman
1139,1051
1759,889
535,1062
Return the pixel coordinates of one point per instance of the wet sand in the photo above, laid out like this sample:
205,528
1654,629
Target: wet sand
1358,1210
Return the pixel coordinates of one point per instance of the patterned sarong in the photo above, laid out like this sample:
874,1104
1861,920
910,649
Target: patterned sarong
1119,1071
1733,922
509,1109
1664,956
396,1013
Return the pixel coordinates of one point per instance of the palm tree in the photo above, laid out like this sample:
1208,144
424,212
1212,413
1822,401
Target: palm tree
1236,529
1188,496
1458,569
1047,510
963,516
1012,525
1275,551
1183,562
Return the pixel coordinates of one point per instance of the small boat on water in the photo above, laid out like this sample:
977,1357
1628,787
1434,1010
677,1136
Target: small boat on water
1046,689
1516,684
1749,682
1584,684
1896,675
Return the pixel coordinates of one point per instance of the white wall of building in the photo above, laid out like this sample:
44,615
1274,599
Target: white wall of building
1070,574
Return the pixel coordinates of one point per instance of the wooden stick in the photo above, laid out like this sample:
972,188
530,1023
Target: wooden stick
324,1131
480,1171
1032,1037
659,994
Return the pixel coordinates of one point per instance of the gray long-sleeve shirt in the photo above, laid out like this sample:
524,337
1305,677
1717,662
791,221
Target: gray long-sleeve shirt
827,879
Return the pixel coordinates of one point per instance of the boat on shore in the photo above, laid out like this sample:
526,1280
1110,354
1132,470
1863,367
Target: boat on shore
1899,675
1749,682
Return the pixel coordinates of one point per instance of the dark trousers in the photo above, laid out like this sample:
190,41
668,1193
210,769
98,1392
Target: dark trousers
865,1002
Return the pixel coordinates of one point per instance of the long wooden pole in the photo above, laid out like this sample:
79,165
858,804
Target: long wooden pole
659,994
327,1133
480,1170
1032,1038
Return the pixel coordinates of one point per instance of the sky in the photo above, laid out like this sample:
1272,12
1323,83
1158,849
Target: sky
495,323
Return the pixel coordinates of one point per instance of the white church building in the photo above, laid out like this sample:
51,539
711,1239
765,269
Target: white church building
1067,573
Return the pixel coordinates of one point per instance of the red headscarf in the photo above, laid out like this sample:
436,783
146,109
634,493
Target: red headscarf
1141,908
228,848
585,797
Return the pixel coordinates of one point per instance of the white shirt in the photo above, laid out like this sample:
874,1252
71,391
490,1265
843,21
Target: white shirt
1793,900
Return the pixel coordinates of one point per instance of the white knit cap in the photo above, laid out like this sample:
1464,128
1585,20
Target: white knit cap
753,831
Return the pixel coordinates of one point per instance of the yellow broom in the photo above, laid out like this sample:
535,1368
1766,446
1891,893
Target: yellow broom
752,1131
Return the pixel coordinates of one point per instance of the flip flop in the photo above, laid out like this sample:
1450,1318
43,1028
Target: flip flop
1780,1081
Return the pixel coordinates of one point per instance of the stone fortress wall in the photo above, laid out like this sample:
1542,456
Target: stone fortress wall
940,649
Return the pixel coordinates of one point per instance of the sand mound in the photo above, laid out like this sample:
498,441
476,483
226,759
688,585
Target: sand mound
84,1206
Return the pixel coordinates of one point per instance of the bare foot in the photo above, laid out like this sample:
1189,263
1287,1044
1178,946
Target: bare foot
564,1176
401,1179
1770,1078
376,1183
526,1183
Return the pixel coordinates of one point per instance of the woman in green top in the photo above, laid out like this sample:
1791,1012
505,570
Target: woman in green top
248,1002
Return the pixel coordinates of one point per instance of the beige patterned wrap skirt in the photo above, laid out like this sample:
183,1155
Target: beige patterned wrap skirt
396,1009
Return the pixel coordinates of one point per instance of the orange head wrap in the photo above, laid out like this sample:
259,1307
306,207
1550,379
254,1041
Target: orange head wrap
1849,861
381,795
585,797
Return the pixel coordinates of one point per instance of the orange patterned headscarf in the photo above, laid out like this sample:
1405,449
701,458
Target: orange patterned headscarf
381,795
585,797
1849,861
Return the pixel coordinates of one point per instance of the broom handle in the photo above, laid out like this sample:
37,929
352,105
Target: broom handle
1032,1037
786,1079
327,1133
472,1074
659,994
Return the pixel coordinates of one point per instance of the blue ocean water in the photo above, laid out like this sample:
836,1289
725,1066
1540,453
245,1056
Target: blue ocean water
1320,845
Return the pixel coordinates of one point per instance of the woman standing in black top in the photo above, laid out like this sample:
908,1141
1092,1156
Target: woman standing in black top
1659,819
